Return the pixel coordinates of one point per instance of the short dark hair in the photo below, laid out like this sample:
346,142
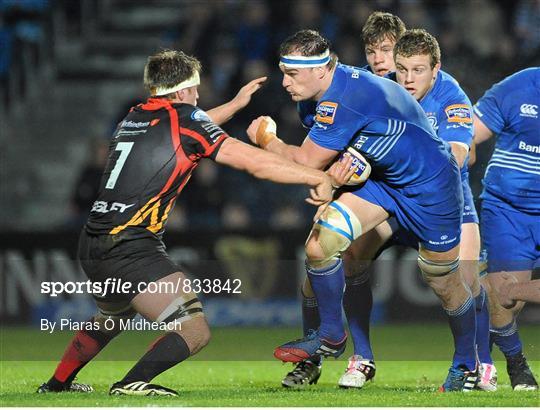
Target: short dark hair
418,42
168,68
308,43
380,25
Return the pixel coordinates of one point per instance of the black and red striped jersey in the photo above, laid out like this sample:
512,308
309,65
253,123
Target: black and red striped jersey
152,154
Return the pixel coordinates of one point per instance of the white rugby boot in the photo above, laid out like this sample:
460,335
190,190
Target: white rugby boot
359,371
488,377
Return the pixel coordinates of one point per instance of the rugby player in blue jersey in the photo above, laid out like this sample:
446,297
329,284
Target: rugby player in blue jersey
414,178
449,110
510,214
379,35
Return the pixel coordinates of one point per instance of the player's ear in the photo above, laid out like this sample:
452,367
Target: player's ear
436,70
321,72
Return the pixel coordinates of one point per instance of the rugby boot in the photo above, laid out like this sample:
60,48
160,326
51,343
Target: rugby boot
67,387
488,377
521,377
305,373
140,388
310,347
460,379
359,371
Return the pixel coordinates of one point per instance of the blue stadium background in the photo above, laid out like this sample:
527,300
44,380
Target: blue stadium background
70,70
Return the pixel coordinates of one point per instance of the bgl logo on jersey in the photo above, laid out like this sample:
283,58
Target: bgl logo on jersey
326,112
460,113
529,110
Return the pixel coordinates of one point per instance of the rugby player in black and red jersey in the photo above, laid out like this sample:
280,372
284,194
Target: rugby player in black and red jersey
152,154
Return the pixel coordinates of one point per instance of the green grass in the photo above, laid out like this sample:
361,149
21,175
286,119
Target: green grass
412,362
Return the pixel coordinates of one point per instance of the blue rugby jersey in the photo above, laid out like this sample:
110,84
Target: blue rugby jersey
449,111
384,123
511,110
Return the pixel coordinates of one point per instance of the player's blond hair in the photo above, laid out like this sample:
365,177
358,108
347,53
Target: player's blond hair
168,68
418,42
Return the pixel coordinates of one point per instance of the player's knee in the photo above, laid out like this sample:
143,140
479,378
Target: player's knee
332,234
437,269
185,316
196,333
442,276
314,251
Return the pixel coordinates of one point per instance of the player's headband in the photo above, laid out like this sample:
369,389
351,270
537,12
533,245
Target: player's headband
290,61
195,79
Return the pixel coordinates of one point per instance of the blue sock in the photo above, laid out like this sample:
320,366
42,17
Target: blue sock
357,302
507,339
310,314
328,284
463,326
482,327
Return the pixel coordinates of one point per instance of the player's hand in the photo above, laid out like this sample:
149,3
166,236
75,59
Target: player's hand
244,95
262,130
321,194
341,171
504,289
252,129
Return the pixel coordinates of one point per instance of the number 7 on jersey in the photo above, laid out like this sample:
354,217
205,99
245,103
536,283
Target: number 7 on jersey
125,149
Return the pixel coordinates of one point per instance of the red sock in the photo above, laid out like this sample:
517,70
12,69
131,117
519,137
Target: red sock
81,350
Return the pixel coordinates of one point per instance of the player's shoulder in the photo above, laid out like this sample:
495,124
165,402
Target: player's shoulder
191,112
519,83
524,78
343,91
449,87
356,85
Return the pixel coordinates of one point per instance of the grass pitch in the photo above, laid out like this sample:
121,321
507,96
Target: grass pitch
237,369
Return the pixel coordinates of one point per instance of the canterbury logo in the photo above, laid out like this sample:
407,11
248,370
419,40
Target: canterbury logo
529,110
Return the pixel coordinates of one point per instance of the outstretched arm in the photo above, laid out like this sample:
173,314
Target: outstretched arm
225,112
262,132
267,165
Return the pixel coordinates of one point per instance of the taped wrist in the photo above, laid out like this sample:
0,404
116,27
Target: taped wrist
266,132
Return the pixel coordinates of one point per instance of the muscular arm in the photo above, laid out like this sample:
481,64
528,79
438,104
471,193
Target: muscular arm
510,291
262,131
308,154
481,134
267,165
225,112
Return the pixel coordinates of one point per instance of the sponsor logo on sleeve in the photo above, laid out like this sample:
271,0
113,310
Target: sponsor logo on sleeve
200,115
460,113
528,110
326,111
